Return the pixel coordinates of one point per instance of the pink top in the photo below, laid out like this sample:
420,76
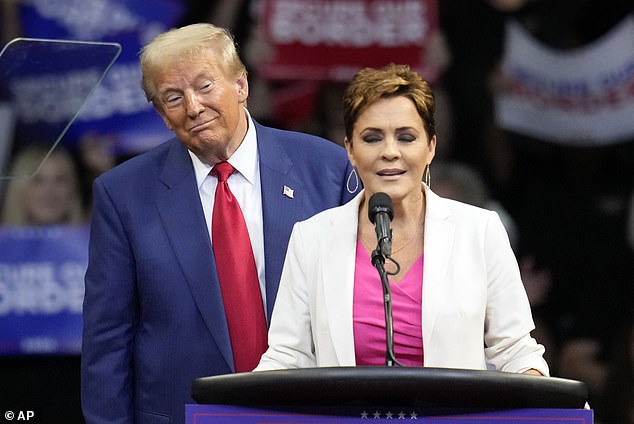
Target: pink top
369,313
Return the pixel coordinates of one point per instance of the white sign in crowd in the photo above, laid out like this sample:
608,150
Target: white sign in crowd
582,96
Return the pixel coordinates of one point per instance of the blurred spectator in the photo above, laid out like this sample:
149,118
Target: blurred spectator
51,196
462,182
96,154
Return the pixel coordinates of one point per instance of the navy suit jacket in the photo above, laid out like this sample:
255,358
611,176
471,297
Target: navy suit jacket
153,313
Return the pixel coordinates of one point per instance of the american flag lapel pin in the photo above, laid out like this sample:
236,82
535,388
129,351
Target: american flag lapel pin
288,192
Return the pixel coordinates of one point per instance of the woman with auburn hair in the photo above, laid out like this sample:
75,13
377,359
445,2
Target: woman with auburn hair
457,295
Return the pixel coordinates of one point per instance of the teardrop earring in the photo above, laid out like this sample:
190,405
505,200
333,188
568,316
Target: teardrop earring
356,181
427,176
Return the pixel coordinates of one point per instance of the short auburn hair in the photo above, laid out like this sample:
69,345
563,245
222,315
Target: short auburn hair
369,85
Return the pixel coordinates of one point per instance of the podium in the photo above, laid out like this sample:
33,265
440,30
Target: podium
348,394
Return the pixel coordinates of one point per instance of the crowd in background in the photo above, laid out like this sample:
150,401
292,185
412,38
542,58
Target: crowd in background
569,208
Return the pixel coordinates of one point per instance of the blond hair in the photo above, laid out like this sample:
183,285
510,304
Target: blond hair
188,42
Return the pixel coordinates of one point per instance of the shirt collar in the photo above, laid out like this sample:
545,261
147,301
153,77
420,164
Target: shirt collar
244,159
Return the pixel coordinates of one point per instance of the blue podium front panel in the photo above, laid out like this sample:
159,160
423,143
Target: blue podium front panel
216,414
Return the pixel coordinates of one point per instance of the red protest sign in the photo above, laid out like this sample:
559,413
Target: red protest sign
332,39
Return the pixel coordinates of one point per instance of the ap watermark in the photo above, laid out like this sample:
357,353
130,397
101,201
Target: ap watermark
19,415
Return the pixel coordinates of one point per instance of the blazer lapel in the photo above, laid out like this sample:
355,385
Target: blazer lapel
338,272
338,279
178,204
439,235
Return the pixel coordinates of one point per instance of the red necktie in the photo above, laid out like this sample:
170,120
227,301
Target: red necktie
238,275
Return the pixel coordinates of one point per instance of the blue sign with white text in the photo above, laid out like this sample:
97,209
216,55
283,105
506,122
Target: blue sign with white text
117,109
42,289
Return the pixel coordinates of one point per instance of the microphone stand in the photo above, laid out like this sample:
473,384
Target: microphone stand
378,260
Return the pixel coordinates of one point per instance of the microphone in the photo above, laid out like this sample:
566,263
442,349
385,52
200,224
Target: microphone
380,213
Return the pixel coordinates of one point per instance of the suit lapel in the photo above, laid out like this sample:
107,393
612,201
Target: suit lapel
279,207
439,236
178,204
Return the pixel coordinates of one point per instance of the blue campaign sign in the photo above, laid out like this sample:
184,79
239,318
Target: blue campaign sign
42,289
117,108
46,82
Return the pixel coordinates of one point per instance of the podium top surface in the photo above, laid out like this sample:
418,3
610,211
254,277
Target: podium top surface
390,386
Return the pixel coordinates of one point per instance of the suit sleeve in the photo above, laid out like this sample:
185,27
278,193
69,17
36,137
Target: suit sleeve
110,314
508,321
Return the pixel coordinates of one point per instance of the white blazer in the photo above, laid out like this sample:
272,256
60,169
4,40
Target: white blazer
475,312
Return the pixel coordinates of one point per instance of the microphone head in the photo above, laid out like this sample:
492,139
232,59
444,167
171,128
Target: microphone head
380,202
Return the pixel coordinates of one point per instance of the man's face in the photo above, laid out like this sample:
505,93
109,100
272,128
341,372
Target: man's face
203,106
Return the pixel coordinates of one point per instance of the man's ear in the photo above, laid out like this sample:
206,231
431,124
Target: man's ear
242,84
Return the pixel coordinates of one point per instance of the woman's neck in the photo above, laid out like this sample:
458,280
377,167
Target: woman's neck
409,213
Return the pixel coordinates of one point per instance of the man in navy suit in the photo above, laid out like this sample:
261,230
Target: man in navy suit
154,318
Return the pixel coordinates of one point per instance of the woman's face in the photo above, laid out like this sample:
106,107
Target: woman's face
49,194
390,148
